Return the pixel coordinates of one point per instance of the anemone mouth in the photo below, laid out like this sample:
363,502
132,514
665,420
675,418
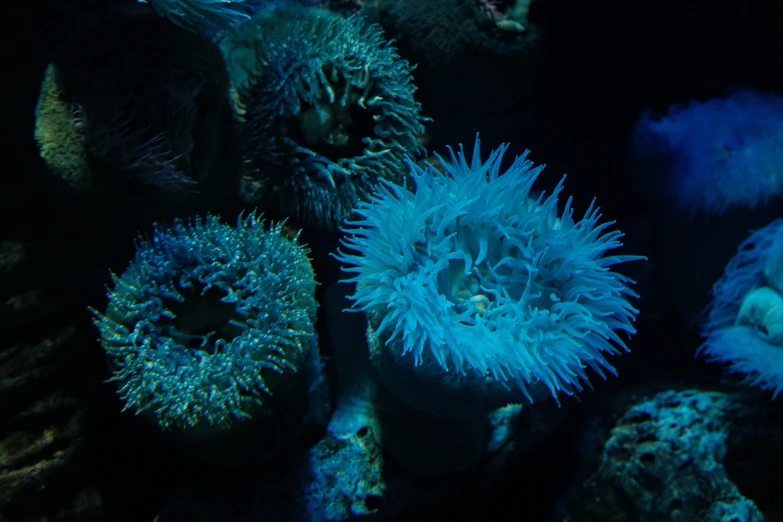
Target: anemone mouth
336,124
475,290
202,321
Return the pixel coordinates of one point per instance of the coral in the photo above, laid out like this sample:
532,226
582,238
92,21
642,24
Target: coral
473,277
336,479
745,316
718,154
678,455
209,323
347,478
327,109
666,456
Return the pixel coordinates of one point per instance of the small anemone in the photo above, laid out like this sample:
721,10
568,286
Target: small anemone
744,325
209,323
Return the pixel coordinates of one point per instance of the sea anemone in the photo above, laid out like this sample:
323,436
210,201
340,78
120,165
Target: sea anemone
478,282
139,128
718,154
445,31
202,16
744,325
468,52
209,324
58,134
327,109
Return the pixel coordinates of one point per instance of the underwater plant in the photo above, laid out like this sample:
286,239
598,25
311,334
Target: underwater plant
718,154
744,325
327,111
471,276
209,323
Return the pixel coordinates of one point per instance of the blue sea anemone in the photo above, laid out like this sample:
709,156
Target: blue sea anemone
718,154
744,326
327,111
209,323
472,276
